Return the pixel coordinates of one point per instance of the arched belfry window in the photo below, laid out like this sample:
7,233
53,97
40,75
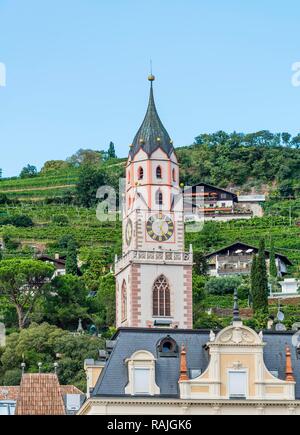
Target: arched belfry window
140,173
124,301
158,172
161,297
159,198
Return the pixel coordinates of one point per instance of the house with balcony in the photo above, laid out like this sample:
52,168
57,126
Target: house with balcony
214,203
236,259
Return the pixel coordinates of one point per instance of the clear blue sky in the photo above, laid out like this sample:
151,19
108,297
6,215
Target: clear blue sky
76,71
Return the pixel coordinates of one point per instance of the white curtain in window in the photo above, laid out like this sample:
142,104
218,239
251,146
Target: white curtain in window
141,381
237,384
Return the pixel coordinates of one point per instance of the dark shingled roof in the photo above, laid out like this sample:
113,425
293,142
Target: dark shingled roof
150,131
242,245
114,378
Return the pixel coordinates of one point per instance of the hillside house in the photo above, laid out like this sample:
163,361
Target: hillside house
237,258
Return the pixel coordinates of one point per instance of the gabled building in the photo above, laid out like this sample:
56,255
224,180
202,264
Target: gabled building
40,394
236,259
214,203
57,261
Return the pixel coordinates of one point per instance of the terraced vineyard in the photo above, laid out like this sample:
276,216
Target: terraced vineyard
40,186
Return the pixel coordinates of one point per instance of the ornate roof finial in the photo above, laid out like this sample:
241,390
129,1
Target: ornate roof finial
151,77
152,134
289,374
183,365
236,311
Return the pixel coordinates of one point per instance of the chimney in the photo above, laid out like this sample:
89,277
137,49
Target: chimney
93,370
289,375
56,256
183,366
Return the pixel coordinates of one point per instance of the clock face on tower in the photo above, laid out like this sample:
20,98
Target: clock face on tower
128,232
160,227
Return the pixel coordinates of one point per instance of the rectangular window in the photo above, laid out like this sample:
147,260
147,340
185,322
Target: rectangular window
237,385
141,381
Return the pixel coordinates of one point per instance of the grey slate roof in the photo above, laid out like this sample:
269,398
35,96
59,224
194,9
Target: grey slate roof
150,130
114,377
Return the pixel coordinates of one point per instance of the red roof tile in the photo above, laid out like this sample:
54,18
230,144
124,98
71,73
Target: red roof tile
9,393
40,394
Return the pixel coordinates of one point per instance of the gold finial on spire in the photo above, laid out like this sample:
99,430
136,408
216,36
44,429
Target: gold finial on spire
151,77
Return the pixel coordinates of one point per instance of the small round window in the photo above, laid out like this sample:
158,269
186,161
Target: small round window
167,346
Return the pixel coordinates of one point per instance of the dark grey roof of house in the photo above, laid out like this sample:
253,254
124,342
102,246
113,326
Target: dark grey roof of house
152,134
211,187
238,245
114,377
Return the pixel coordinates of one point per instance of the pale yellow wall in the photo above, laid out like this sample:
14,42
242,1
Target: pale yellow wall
227,362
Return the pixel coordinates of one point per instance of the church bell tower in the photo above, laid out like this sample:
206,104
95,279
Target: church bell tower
154,274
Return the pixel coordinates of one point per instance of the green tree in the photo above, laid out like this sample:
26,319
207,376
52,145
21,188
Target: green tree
90,179
4,199
105,302
71,260
222,286
22,283
85,157
48,344
111,153
273,267
28,171
64,303
200,263
259,280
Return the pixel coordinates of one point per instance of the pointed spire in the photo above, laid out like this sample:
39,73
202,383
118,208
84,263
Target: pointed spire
289,374
183,365
236,311
152,134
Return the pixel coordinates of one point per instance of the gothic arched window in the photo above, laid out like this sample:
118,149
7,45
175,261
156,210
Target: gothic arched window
158,172
140,173
174,174
159,198
124,301
161,297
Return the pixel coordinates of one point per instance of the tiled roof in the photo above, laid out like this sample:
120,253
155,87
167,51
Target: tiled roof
9,393
40,394
69,389
114,377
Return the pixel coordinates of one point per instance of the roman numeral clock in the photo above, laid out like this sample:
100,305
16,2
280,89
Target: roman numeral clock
160,227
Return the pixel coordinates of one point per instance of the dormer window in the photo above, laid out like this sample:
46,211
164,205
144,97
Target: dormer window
168,347
159,172
140,173
141,375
